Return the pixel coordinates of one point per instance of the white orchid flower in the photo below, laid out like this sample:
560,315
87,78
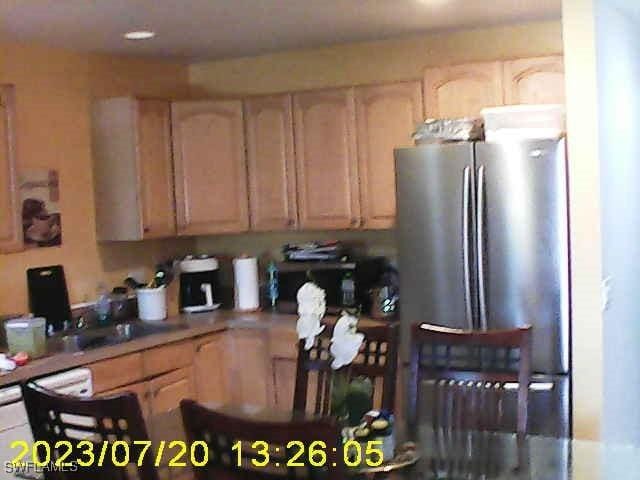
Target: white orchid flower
346,341
311,308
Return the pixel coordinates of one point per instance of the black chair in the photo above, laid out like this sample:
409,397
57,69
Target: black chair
54,418
221,433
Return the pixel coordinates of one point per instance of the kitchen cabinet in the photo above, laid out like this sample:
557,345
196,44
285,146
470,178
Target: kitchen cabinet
133,169
168,357
326,163
141,389
211,368
271,163
386,116
283,350
462,90
284,382
534,80
115,372
250,372
210,167
166,391
10,226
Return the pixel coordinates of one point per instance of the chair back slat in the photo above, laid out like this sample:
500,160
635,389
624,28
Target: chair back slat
54,418
221,432
377,360
468,373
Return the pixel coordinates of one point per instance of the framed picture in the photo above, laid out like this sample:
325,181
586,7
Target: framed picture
41,220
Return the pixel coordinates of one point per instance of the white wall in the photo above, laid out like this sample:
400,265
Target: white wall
578,29
618,75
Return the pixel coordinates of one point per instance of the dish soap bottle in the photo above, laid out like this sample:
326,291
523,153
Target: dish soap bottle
272,285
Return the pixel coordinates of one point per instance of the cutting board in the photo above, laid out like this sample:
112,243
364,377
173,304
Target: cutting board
48,295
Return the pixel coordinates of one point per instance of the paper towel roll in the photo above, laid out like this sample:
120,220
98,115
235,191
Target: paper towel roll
246,288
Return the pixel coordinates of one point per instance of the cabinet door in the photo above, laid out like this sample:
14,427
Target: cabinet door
166,391
386,117
251,375
141,389
10,229
210,167
211,369
324,125
462,90
155,167
271,165
534,80
284,382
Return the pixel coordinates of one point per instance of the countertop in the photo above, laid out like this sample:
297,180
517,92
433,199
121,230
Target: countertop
195,325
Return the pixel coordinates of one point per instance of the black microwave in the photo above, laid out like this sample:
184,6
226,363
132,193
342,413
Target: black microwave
328,276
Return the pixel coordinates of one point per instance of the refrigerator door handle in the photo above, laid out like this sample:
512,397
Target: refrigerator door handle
466,189
480,249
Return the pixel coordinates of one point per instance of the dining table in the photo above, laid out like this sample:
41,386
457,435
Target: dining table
465,454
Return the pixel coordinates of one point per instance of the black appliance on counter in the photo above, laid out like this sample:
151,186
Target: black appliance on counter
329,275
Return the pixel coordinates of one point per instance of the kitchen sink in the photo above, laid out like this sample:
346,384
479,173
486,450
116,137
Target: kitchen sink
105,336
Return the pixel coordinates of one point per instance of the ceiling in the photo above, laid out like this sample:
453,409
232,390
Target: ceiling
213,29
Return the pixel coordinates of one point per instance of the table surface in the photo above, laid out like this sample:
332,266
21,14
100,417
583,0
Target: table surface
469,455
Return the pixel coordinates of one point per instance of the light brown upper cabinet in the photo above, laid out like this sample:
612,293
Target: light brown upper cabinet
10,229
462,90
271,163
210,167
133,169
326,163
534,80
386,117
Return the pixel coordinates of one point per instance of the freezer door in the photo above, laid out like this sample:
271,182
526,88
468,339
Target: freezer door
523,246
434,235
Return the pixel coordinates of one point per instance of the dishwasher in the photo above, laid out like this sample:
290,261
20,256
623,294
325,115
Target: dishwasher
14,423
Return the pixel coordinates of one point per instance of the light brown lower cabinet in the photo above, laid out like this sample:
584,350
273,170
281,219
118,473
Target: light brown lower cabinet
166,391
250,371
211,368
141,389
284,382
116,372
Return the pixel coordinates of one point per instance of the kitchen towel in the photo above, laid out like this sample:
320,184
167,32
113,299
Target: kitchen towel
246,288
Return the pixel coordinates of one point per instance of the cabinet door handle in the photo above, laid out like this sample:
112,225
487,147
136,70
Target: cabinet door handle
354,222
146,229
291,222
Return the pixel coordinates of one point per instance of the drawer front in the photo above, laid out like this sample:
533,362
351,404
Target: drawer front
115,372
167,358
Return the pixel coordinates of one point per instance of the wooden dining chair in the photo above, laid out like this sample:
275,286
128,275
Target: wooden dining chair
230,460
55,418
377,360
471,372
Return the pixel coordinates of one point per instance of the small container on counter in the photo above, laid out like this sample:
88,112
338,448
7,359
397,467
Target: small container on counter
27,335
152,303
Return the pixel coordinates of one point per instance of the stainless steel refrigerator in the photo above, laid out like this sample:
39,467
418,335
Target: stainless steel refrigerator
482,231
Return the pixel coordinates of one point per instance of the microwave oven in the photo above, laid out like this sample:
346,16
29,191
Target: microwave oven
328,276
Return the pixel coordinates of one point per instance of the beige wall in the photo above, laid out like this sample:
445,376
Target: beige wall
371,62
53,90
584,175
